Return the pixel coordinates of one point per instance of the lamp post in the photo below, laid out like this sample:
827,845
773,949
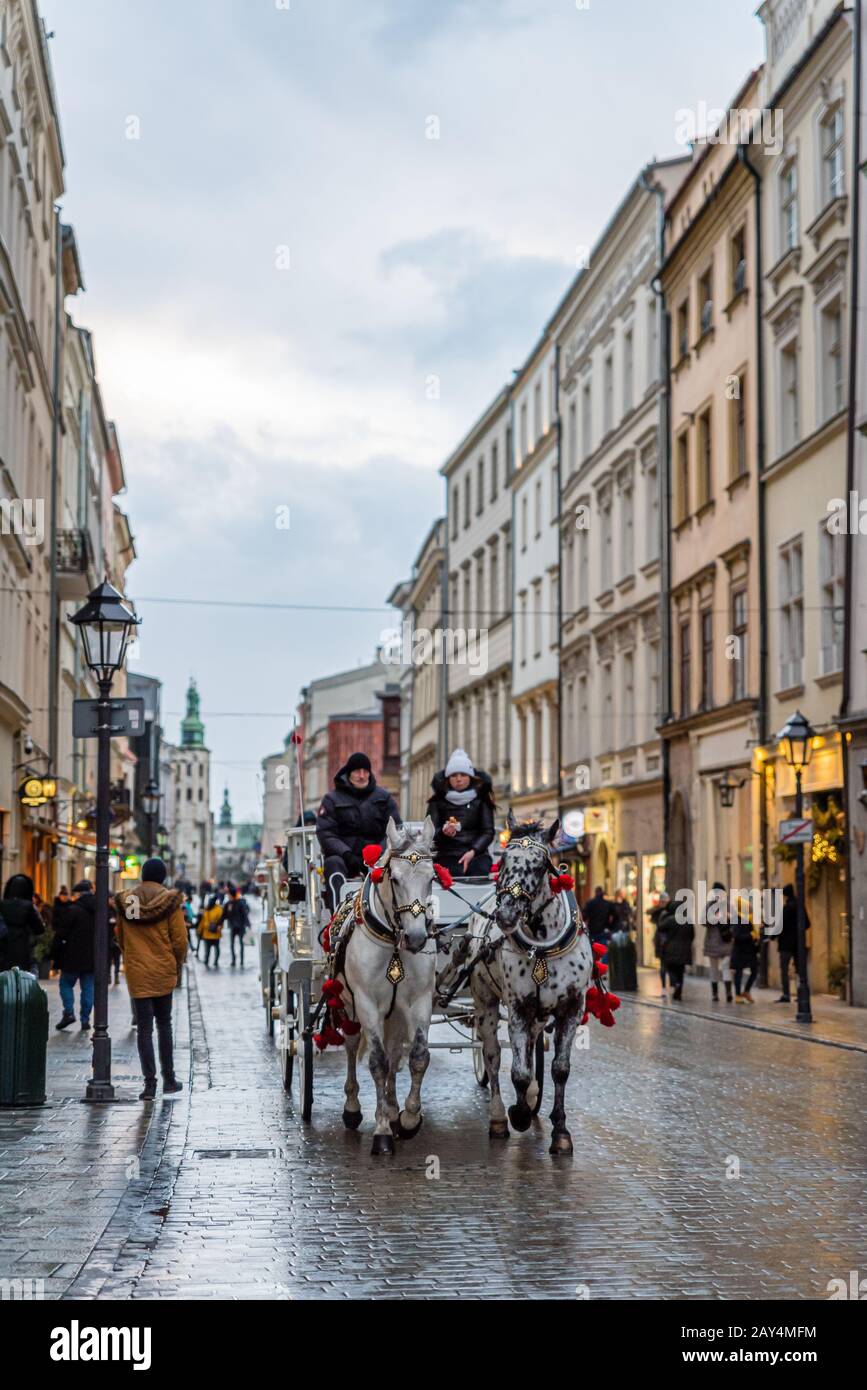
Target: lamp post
150,805
797,740
106,624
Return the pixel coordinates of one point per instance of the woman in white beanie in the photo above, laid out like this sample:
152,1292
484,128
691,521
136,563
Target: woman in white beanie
462,809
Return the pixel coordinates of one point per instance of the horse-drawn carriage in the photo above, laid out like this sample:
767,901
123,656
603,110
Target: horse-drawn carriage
408,953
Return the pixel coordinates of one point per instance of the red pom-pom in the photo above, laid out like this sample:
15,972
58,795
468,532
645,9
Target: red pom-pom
326,940
320,1041
351,1026
370,854
585,1019
606,1018
443,875
562,883
612,1001
495,870
377,874
599,948
601,968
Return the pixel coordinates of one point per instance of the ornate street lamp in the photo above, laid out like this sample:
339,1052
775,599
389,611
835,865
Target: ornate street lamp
106,625
796,740
727,786
150,802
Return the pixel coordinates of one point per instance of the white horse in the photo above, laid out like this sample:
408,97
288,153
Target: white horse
538,960
388,974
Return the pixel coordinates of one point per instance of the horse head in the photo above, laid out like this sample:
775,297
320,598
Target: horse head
409,871
526,865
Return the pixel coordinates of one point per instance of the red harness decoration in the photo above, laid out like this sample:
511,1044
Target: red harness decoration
599,1001
561,883
444,875
370,854
338,1026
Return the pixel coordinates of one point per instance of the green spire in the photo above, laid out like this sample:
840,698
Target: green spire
192,728
226,811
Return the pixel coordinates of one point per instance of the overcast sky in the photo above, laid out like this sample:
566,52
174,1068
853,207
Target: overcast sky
281,258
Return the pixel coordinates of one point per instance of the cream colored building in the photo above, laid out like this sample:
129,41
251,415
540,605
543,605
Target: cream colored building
423,600
806,214
608,336
476,690
536,604
710,281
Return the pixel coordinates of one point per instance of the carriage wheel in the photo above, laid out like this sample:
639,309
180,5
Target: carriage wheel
288,1041
271,996
540,1072
479,1058
305,1048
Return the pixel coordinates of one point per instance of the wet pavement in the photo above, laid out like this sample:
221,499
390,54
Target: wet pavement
710,1162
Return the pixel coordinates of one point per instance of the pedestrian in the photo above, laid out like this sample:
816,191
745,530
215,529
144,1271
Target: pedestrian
718,942
20,924
356,813
189,919
787,941
622,916
238,916
656,913
673,944
74,952
461,807
745,953
209,928
598,916
153,939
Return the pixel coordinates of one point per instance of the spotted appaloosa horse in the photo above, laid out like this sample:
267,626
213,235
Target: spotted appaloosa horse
538,960
389,967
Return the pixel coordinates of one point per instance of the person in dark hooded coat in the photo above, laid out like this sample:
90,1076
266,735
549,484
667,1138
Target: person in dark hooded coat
20,924
73,950
462,809
354,814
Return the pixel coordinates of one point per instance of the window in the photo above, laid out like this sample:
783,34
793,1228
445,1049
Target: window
480,491
572,446
555,495
523,626
583,739
685,669
189,793
537,618
655,674
705,458
608,395
627,724
467,499
738,428
201,793
681,478
509,460
481,613
789,207
832,569
537,411
586,421
683,330
627,372
790,404
607,730
553,605
627,530
495,583
707,659
652,341
468,602
456,511
605,540
524,522
552,390
832,154
705,301
791,613
832,359
583,569
523,434
739,630
738,256
537,508
495,463
652,533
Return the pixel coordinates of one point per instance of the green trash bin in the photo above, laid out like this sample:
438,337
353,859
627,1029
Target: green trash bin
622,962
23,1039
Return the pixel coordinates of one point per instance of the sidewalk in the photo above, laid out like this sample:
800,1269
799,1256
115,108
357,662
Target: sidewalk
65,1167
835,1023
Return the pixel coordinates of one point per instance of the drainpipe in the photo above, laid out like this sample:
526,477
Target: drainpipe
53,652
559,424
443,722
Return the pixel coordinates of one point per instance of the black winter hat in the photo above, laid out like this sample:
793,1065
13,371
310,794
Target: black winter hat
85,886
356,761
153,871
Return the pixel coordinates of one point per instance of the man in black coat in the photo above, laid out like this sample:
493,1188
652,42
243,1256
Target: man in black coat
73,950
787,941
599,916
354,814
20,924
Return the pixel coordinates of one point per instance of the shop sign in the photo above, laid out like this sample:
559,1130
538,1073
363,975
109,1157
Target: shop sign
797,831
596,820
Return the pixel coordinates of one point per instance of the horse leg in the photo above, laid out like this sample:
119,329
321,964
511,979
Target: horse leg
394,1049
352,1108
383,1143
564,1037
520,1034
410,1118
488,1022
533,1088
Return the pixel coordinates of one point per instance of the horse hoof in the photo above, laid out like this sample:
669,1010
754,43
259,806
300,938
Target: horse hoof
561,1144
400,1131
498,1129
382,1144
352,1118
520,1117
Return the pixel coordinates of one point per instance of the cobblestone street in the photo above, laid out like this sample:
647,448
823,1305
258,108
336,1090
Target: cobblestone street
236,1199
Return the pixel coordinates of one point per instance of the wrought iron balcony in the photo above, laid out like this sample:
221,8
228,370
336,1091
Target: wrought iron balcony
74,558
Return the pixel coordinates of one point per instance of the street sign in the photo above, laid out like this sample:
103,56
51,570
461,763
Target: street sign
127,717
798,831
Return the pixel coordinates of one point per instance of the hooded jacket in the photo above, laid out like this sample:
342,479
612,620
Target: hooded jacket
350,818
74,944
152,935
475,818
20,924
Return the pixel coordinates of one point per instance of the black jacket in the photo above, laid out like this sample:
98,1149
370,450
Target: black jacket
598,914
237,914
349,819
476,818
75,935
673,940
745,951
20,924
788,937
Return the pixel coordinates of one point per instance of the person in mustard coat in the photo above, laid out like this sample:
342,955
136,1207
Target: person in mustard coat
152,936
209,928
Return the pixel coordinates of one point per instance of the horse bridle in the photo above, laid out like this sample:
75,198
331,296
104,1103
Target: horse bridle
418,909
517,890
